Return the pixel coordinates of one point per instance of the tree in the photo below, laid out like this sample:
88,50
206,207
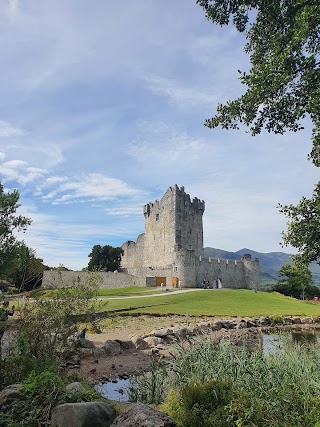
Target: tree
10,222
105,258
296,280
283,87
304,226
283,84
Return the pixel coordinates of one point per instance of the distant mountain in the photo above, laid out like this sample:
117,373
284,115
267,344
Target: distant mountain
270,263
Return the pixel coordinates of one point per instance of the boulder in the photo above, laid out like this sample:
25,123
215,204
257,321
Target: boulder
162,332
86,414
84,343
112,347
75,387
180,333
141,415
10,393
306,320
139,343
125,344
153,341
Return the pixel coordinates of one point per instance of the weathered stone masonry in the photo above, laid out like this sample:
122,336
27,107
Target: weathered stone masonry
170,251
172,247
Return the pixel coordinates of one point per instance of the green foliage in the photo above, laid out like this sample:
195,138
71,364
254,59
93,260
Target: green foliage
204,404
296,281
150,386
284,79
10,223
105,258
41,392
304,226
224,385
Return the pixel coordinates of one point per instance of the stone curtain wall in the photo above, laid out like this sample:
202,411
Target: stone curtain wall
234,274
107,280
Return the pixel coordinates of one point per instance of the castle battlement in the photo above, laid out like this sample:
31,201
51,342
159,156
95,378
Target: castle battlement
172,246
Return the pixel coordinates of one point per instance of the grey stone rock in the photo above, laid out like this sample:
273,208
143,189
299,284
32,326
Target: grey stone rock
87,414
10,393
98,351
112,347
141,415
162,332
139,343
306,320
153,341
180,333
216,326
83,342
125,344
75,387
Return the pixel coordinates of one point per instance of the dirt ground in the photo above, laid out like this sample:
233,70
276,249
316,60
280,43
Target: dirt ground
93,369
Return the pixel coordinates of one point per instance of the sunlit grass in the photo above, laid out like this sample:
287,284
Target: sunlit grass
224,302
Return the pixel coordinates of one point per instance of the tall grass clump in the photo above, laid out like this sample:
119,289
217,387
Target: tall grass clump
233,386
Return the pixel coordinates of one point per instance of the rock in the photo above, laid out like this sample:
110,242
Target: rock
84,343
139,343
98,351
87,414
112,347
162,332
85,352
75,387
141,415
10,393
180,333
152,341
306,320
125,344
216,326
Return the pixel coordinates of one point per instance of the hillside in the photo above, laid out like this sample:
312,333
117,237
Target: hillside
270,263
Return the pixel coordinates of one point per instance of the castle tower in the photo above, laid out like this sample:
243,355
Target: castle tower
171,224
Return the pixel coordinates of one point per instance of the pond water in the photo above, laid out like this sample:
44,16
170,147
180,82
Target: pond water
118,389
114,390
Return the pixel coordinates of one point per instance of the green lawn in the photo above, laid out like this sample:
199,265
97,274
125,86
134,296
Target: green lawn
224,302
218,303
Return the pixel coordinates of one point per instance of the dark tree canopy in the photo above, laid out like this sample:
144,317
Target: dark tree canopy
296,280
304,226
10,222
283,84
105,258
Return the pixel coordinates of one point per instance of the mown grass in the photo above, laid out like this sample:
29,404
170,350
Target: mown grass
218,303
224,302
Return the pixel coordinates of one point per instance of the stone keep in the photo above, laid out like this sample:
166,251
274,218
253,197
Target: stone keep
171,248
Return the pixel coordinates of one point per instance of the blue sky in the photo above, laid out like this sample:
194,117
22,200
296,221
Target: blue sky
102,106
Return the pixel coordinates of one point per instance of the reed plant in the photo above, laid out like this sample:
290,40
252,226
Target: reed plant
281,388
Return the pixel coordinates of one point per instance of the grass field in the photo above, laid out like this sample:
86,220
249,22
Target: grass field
218,303
224,302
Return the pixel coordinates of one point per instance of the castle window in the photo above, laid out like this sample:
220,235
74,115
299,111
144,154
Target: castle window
157,217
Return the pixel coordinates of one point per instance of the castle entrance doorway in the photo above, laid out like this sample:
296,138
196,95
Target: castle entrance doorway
217,284
175,282
160,280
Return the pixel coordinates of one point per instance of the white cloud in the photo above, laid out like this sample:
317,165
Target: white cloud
18,170
184,96
7,130
90,187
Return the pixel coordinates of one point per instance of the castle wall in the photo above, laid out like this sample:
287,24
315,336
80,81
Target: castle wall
105,280
235,274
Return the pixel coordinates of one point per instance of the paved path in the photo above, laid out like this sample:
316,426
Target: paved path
162,294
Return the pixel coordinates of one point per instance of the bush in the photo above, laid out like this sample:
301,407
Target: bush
201,405
41,392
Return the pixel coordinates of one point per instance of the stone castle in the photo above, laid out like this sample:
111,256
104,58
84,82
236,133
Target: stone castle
170,252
